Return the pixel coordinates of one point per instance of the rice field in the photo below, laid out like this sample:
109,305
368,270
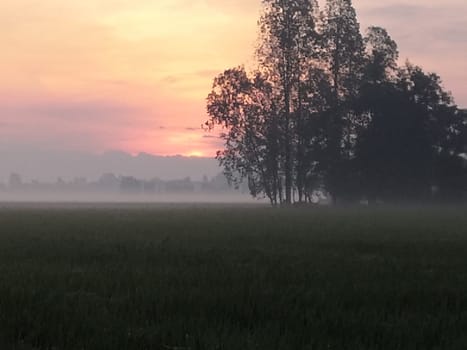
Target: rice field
179,277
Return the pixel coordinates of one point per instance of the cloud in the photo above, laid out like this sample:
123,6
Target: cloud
79,112
455,34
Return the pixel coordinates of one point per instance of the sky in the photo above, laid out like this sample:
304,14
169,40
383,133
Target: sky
100,75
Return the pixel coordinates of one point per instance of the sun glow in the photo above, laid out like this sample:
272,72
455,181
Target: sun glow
123,75
196,154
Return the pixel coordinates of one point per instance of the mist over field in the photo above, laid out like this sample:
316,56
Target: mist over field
34,176
78,197
48,166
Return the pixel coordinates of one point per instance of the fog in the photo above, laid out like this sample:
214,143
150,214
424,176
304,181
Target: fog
48,166
83,198
113,177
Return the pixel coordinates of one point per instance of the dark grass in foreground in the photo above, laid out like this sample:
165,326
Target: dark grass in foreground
232,278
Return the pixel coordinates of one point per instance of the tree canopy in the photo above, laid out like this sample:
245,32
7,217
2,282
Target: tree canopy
330,109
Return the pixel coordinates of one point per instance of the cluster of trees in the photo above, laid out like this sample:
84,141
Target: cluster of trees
128,185
330,109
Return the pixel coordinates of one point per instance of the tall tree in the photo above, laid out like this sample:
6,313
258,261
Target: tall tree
343,52
317,102
287,43
343,47
380,108
444,126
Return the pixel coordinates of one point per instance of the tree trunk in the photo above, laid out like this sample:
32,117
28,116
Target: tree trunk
288,152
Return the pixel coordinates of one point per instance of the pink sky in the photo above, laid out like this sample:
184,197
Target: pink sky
97,75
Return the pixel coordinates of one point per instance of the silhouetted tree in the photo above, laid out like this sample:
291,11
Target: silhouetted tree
380,106
246,110
317,105
328,109
344,57
412,142
287,47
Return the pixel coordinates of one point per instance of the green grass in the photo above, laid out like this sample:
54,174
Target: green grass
232,278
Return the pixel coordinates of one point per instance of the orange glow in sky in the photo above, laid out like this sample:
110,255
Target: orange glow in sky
97,75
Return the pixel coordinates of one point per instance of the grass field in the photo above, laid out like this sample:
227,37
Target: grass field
152,277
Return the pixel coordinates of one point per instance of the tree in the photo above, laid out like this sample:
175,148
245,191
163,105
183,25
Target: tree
263,144
380,107
344,57
287,47
245,108
412,142
393,152
317,102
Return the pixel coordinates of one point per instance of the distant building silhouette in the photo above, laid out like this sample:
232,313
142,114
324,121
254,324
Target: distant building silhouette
111,184
15,181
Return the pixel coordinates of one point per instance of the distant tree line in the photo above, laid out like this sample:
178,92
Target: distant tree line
126,185
329,109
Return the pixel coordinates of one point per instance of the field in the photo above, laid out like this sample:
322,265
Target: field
231,277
